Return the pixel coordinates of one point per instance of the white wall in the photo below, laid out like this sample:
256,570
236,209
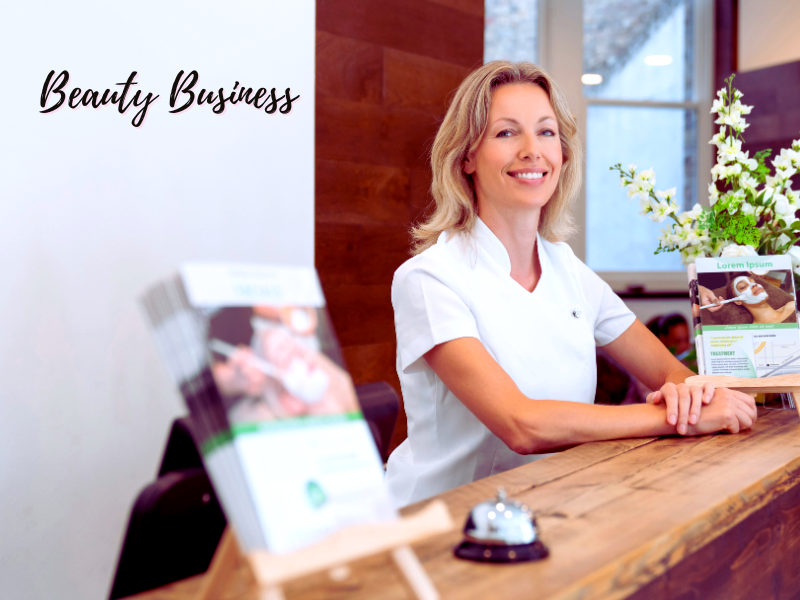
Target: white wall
768,33
93,210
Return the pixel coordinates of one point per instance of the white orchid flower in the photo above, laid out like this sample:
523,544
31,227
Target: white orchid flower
690,215
748,183
666,239
645,207
713,194
717,106
718,171
783,160
661,210
718,138
782,206
734,120
691,254
733,170
737,250
632,168
741,108
633,190
667,194
729,152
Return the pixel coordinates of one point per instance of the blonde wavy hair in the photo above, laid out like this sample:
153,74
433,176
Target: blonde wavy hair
454,201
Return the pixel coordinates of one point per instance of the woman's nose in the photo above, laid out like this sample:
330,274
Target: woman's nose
529,148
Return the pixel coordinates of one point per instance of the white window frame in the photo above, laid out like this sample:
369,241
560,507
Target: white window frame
560,41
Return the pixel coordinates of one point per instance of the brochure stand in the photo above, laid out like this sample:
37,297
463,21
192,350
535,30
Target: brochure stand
779,384
270,571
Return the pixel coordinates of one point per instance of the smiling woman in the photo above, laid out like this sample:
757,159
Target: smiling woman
496,318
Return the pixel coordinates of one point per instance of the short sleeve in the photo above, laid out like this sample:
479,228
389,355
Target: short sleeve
428,310
612,317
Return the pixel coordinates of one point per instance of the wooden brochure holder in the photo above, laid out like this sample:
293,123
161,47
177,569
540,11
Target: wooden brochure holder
780,384
270,571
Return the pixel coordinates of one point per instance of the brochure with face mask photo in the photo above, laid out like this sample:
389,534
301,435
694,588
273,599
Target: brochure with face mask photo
274,409
745,316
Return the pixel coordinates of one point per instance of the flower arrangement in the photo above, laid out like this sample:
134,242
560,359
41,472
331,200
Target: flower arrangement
750,212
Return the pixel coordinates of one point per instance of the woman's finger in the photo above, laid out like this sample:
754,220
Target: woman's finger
708,392
745,419
684,405
696,393
654,397
670,397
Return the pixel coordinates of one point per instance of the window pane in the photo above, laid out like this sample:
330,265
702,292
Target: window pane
618,238
510,30
642,50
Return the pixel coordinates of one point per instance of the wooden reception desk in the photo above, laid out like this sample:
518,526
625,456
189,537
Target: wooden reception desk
706,517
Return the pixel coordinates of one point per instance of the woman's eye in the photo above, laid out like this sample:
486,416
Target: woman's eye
548,132
505,133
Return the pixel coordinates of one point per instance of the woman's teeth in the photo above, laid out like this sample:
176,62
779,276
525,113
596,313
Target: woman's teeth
529,175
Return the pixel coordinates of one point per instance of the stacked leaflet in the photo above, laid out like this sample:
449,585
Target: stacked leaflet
751,328
274,412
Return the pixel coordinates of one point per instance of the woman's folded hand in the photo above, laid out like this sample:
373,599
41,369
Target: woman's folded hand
722,409
728,411
683,403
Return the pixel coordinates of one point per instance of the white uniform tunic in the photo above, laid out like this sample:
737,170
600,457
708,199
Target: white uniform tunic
545,340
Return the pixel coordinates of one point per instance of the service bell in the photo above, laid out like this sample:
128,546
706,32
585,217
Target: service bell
501,530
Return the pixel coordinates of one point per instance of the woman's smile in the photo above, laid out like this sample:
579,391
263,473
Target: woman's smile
529,176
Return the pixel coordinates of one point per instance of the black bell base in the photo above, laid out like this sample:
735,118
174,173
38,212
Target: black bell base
501,554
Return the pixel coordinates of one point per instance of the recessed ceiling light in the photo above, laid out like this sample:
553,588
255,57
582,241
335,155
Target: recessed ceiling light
658,60
591,79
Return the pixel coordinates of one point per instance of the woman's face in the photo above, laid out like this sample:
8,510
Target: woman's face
518,161
749,291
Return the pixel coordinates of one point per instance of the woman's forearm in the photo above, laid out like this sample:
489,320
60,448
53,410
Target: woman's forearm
545,425
678,374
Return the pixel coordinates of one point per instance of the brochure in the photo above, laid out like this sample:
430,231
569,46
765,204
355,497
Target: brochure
280,429
751,328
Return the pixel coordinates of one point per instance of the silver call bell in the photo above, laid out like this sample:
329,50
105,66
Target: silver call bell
501,530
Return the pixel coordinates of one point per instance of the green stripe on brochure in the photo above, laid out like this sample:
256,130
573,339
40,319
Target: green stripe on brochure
295,423
215,442
749,327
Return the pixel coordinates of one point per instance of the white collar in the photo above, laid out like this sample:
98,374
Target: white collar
489,242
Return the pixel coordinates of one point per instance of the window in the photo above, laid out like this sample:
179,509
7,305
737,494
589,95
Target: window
650,107
645,60
510,30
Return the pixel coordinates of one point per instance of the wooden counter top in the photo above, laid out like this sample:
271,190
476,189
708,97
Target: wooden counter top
703,517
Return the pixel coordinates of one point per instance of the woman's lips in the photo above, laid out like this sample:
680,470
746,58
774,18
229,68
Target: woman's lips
528,177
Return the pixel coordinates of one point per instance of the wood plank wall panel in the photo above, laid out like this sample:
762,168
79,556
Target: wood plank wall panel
386,70
775,120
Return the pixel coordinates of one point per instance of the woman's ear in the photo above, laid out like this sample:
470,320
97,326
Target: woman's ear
469,164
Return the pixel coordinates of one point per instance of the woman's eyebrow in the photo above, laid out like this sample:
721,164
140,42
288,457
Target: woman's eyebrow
515,122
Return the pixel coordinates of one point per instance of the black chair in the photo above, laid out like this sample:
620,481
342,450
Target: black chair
380,405
176,522
174,528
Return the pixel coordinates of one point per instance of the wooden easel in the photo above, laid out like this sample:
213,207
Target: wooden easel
270,571
780,384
